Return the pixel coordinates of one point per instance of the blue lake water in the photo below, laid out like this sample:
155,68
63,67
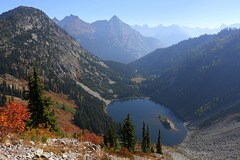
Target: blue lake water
145,110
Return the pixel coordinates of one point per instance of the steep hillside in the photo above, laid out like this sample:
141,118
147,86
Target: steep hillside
27,35
197,78
155,63
110,40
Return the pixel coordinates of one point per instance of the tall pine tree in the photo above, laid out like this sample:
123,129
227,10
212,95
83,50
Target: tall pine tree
128,134
4,98
148,139
159,145
110,137
39,106
0,100
144,139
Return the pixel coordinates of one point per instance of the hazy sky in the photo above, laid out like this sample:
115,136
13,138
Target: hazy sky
193,13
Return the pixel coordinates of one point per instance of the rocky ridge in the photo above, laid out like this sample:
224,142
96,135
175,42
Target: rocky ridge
27,35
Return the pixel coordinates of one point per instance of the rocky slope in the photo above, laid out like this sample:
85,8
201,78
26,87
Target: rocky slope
219,141
27,35
110,40
54,149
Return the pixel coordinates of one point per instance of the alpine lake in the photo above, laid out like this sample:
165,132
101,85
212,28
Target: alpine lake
146,110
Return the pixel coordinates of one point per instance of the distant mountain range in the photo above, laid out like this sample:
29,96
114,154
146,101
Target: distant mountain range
173,34
109,40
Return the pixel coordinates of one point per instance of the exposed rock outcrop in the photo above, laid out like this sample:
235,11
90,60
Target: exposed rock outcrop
167,123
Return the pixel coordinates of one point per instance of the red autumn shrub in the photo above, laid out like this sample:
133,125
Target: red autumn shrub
13,118
124,151
91,137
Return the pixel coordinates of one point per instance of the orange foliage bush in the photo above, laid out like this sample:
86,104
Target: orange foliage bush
90,137
125,151
13,118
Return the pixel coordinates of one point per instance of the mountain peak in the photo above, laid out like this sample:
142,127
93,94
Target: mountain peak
114,18
25,11
55,20
71,17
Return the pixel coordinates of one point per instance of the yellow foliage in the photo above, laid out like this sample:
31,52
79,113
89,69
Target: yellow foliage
42,133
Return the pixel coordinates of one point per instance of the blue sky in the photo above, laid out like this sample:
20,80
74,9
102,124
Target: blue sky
193,13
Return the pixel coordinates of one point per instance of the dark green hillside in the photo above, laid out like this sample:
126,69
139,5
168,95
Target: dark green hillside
166,58
197,77
123,70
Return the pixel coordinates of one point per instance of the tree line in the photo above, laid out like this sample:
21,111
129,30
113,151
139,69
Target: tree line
126,138
10,90
90,113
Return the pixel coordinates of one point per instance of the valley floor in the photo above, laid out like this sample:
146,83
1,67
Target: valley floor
219,141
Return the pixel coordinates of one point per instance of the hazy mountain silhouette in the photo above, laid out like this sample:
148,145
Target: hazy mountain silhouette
110,40
173,34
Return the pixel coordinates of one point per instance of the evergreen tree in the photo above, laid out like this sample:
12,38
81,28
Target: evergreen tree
128,134
159,145
4,85
152,150
9,90
13,89
110,137
39,106
23,92
4,98
0,100
144,139
148,139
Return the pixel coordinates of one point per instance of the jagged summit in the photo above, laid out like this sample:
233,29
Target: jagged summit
115,18
75,25
70,19
55,20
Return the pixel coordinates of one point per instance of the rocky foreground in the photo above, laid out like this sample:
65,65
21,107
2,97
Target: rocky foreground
53,149
59,149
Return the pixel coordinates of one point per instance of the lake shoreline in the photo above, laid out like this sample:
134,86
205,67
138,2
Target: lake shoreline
121,99
142,109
